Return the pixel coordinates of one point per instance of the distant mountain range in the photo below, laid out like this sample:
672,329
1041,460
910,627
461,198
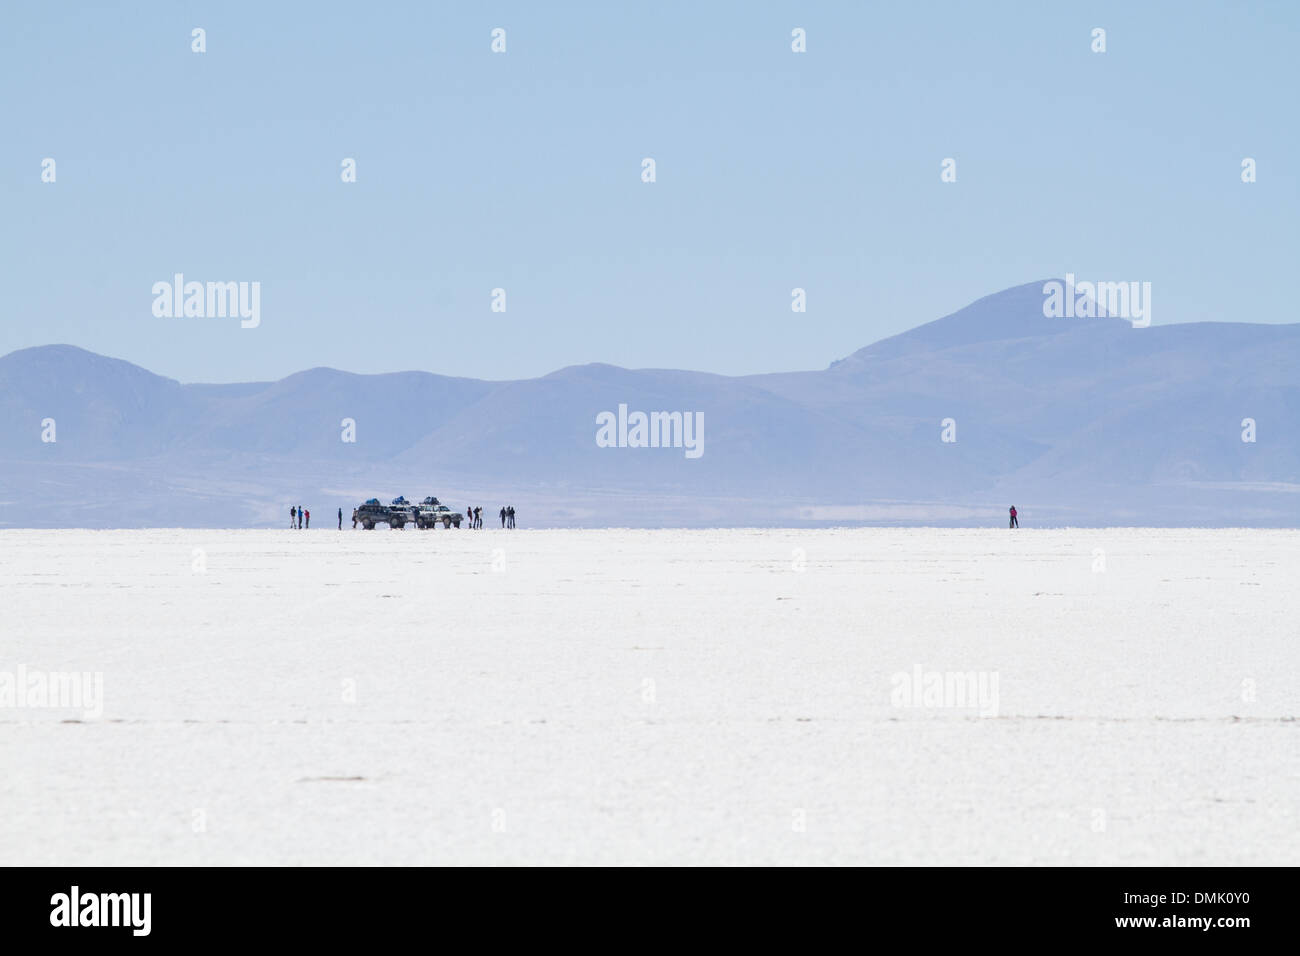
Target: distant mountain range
1084,421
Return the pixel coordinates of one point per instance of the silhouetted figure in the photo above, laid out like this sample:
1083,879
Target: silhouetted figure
510,516
503,516
307,516
293,516
1014,522
300,517
340,519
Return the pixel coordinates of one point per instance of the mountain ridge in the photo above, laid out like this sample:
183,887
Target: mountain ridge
1072,414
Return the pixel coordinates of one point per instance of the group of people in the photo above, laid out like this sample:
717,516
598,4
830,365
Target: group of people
300,517
475,516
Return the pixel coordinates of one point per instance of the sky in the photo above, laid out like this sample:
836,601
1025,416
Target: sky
522,171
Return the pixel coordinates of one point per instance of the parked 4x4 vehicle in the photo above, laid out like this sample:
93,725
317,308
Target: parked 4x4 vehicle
372,513
397,515
430,512
400,512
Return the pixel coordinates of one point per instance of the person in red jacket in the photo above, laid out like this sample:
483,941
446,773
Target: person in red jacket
1014,522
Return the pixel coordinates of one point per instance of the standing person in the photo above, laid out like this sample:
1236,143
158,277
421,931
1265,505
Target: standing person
300,517
340,519
503,516
1014,522
293,516
354,519
478,516
510,516
469,516
308,516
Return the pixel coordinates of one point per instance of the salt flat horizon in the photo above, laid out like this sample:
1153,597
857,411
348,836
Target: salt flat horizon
767,696
792,529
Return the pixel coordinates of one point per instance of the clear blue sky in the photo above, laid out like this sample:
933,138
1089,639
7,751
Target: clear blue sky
775,170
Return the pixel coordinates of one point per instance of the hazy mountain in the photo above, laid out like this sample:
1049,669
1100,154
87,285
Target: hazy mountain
1084,421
